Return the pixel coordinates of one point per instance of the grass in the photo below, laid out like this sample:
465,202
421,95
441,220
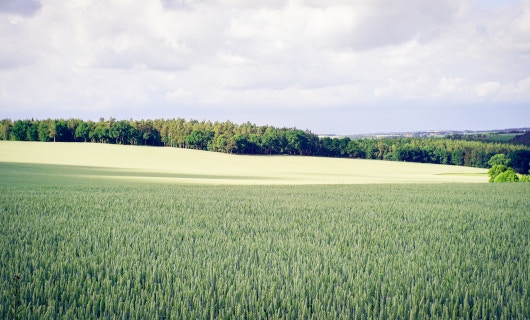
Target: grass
169,165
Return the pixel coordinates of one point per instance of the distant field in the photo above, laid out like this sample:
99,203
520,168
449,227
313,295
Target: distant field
504,137
97,162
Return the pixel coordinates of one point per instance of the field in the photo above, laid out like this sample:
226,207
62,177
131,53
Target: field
75,243
70,161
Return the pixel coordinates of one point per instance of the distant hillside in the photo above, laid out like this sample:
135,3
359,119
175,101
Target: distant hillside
522,139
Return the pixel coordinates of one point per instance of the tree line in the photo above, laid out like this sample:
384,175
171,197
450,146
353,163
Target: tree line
248,138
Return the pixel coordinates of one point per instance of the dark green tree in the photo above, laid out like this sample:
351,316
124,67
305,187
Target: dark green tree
297,141
82,132
5,129
457,157
32,132
52,130
270,141
241,143
199,139
121,132
520,160
44,131
20,130
63,132
100,133
254,144
355,150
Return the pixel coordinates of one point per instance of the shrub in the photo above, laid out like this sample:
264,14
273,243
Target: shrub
507,176
496,170
499,159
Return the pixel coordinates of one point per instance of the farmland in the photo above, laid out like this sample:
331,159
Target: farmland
31,161
153,243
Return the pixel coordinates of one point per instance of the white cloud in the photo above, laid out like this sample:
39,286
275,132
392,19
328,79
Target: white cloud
487,88
291,54
452,85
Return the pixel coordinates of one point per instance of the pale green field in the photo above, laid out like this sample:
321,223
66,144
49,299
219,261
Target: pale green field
172,165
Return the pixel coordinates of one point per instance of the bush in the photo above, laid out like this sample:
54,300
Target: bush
524,178
499,159
507,176
496,170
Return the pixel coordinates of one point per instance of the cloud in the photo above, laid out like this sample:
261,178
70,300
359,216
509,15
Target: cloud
487,88
20,7
200,56
384,23
178,4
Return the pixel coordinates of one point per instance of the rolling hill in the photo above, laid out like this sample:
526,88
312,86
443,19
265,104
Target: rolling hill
89,161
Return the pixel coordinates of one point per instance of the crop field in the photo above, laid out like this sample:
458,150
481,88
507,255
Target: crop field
77,245
96,162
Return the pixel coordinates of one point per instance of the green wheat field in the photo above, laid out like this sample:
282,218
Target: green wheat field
93,231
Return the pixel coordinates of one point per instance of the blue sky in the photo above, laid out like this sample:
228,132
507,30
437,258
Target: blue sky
336,66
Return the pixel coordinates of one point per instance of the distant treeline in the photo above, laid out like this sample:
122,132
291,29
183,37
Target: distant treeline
510,137
249,138
522,139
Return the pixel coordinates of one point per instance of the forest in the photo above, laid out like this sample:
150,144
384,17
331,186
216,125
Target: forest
248,138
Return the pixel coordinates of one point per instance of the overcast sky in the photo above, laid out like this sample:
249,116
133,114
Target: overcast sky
331,66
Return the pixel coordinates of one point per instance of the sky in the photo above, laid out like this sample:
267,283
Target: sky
334,66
